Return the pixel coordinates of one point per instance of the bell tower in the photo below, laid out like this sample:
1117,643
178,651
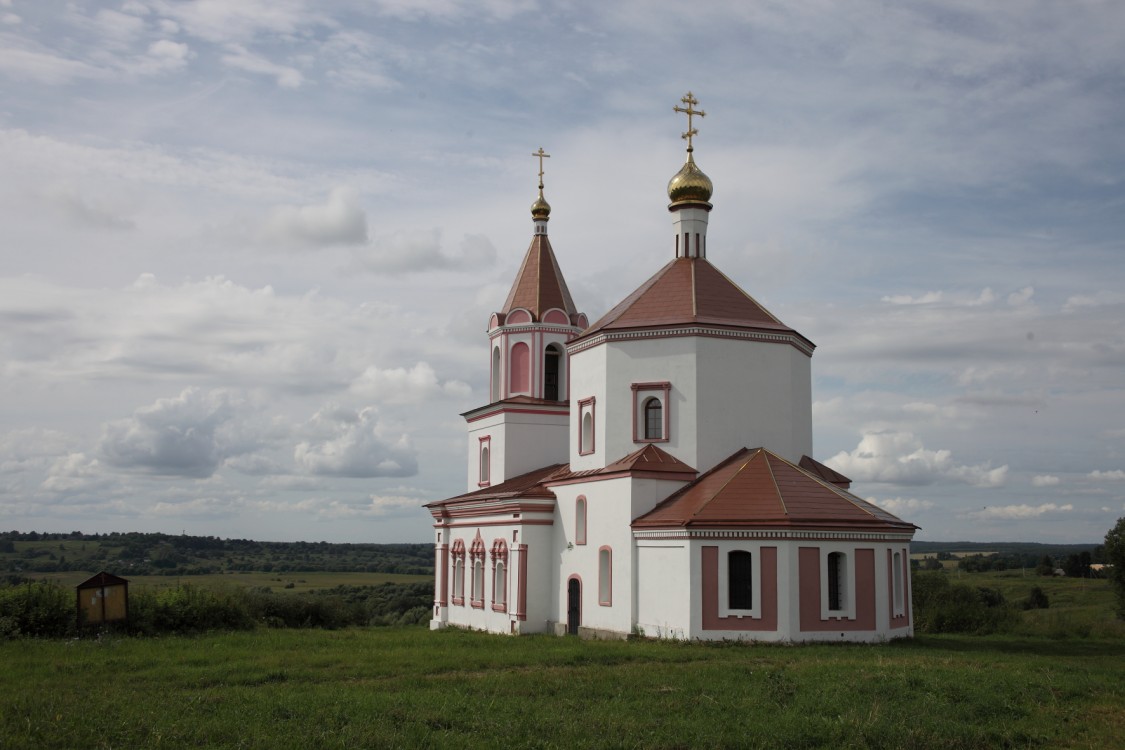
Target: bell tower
524,426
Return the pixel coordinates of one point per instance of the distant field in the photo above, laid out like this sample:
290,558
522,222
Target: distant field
414,688
275,581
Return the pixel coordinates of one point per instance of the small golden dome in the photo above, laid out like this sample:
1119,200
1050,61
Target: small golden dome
540,209
690,184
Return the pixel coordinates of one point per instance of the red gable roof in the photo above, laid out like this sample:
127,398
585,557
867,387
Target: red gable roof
689,291
757,488
539,285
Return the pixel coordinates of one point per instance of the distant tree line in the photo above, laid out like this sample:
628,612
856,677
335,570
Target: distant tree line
165,554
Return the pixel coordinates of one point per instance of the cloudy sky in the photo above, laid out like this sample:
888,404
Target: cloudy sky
248,248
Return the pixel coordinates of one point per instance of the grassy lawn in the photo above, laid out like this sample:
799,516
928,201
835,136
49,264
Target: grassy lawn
413,688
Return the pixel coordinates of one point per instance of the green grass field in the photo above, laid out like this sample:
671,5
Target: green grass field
414,688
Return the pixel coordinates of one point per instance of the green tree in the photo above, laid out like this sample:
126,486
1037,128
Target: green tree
1115,556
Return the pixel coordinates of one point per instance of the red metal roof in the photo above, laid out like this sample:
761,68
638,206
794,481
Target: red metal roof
530,484
689,291
757,488
539,285
827,473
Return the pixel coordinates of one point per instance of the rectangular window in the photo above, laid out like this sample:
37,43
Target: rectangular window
740,579
896,577
651,412
580,520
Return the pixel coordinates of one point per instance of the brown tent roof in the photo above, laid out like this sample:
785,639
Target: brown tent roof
757,488
689,291
539,285
649,459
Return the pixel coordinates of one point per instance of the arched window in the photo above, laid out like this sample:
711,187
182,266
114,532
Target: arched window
458,554
654,419
605,576
740,580
580,520
478,583
485,466
520,369
551,366
837,581
499,586
496,375
587,432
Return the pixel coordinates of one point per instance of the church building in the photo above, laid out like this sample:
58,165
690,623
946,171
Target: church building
651,473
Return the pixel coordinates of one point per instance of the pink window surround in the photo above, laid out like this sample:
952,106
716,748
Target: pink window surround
476,556
499,555
484,461
712,620
580,514
586,442
642,392
605,576
808,571
520,381
457,554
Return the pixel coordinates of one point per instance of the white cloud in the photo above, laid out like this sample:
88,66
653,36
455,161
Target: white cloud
179,436
400,385
1115,475
340,220
1097,299
165,55
355,444
900,458
421,250
21,59
239,57
84,211
1022,297
1044,480
1019,512
901,506
905,299
75,473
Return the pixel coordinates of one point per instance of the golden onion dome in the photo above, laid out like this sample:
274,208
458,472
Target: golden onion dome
690,184
540,209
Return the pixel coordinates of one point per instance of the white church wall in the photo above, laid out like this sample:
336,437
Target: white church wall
519,442
587,381
753,394
663,590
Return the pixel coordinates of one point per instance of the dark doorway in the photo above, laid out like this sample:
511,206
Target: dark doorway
551,374
573,605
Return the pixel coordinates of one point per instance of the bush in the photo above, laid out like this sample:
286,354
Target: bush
944,607
1036,599
37,609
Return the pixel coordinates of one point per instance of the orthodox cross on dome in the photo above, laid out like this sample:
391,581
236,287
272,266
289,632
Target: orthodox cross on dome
542,155
690,101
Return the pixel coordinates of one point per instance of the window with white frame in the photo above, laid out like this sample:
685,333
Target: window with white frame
740,575
740,579
586,417
837,581
605,576
651,416
457,553
499,556
476,556
485,461
896,578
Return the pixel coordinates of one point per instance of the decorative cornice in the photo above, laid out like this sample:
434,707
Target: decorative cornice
794,340
780,534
